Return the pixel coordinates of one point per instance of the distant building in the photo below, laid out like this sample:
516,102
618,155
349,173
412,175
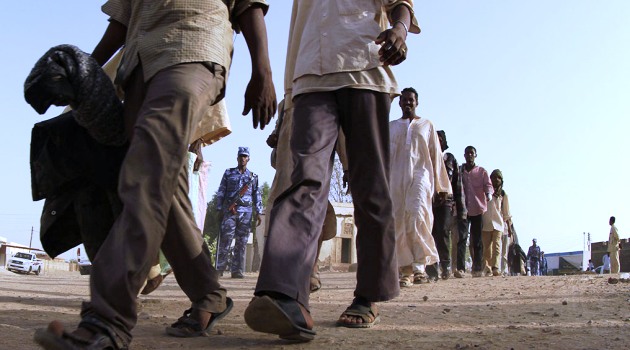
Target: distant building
564,263
599,249
339,251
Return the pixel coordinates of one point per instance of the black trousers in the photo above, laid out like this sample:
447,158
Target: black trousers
476,244
462,231
442,220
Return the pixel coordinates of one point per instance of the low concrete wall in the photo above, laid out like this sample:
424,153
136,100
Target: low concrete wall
50,265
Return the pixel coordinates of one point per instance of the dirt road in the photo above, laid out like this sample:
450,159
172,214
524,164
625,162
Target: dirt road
564,312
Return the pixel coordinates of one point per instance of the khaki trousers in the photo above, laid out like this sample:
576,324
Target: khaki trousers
614,262
491,248
153,187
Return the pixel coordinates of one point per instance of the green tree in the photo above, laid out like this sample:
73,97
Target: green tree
211,226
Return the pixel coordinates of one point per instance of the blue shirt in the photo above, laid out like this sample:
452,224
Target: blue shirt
231,183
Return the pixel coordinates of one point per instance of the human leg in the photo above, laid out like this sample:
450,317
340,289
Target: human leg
296,222
163,113
366,127
189,255
227,231
533,267
495,254
614,262
476,244
486,238
243,227
365,122
441,234
454,234
462,229
298,213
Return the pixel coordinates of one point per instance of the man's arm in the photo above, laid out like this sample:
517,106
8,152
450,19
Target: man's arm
505,210
487,185
442,183
113,39
221,192
260,95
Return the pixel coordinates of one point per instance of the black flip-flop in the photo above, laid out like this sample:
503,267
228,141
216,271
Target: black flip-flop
186,327
278,316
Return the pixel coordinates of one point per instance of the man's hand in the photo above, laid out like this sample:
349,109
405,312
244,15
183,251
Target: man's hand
393,47
488,197
260,98
272,140
258,220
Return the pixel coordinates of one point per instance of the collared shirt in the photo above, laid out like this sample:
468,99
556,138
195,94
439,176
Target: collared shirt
163,33
476,185
497,215
232,181
613,239
331,45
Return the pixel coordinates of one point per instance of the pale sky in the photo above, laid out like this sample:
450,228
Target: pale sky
540,88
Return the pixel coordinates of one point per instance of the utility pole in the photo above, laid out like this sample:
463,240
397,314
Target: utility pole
584,258
31,241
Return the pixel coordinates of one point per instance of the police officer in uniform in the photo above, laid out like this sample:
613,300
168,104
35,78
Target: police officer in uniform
238,199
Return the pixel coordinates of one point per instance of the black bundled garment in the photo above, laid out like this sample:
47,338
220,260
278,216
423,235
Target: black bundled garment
75,157
516,258
65,75
78,178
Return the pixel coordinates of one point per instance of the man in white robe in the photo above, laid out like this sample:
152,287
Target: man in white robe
417,173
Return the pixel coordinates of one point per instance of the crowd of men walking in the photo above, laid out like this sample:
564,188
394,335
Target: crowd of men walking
439,204
408,195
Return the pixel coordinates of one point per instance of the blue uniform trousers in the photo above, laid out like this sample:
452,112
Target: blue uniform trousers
234,227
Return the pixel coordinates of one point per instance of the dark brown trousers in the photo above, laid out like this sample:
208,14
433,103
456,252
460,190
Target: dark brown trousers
153,188
298,214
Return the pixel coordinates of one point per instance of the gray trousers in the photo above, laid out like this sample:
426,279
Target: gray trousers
297,215
153,187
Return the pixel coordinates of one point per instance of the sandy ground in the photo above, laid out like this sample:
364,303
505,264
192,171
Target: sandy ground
564,312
